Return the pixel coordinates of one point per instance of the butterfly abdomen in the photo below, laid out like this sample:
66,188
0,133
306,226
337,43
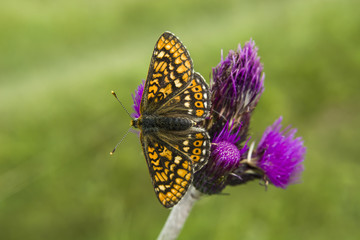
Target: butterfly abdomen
153,123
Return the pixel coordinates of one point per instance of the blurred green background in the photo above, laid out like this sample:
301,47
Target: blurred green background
59,60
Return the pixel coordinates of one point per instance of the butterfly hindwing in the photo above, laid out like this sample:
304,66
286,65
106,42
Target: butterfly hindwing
192,102
194,143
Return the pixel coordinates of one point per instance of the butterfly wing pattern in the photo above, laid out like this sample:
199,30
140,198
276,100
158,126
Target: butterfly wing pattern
174,103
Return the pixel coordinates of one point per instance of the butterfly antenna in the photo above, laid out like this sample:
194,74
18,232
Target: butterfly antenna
112,152
113,93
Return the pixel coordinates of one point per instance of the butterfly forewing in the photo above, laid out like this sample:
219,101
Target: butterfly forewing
171,170
170,71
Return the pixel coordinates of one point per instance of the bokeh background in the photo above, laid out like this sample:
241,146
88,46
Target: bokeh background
59,60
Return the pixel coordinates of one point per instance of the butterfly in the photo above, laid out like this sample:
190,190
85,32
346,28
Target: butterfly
174,103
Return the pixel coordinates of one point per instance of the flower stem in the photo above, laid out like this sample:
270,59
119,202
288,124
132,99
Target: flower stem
179,214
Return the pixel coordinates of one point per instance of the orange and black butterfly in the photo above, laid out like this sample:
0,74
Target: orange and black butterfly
174,103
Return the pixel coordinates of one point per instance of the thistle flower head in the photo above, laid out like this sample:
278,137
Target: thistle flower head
224,158
238,83
280,155
137,100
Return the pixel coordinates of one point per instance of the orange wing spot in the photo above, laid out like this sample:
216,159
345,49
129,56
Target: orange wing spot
195,158
196,89
160,177
160,43
172,166
174,191
192,84
188,176
171,176
156,178
153,88
166,91
155,64
199,104
173,49
184,184
151,95
168,46
167,164
172,76
185,77
166,72
159,66
182,172
198,96
199,136
166,153
163,67
172,42
155,80
161,197
177,60
185,164
174,198
156,163
178,181
166,171
177,99
199,113
181,50
183,57
176,54
187,64
196,151
178,195
183,189
154,156
198,143
150,149
164,176
169,195
181,69
177,187
157,168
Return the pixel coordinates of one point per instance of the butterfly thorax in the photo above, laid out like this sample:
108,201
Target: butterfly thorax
155,123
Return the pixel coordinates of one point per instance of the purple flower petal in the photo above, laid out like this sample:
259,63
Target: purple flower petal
238,83
281,155
137,99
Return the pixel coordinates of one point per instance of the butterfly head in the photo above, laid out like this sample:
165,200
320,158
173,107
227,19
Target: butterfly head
135,123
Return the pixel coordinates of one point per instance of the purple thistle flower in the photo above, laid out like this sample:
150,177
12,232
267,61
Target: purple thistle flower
280,155
137,99
224,158
237,85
